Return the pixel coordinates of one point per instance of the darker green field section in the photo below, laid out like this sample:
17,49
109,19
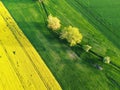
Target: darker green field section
72,67
103,14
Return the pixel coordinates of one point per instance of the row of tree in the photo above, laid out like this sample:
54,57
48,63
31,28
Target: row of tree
70,33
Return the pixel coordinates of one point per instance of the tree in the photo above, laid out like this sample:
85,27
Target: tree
106,59
72,35
53,23
86,47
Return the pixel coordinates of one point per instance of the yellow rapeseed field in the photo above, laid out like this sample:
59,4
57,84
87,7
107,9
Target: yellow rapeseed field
21,67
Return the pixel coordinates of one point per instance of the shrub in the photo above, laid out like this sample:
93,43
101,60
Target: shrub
106,59
72,35
53,23
86,47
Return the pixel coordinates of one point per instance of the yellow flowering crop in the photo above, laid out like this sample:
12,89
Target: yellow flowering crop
21,67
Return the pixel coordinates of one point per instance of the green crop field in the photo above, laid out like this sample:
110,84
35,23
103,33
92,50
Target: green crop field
73,68
103,14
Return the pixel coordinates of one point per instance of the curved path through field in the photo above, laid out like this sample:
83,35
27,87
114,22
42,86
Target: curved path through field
20,65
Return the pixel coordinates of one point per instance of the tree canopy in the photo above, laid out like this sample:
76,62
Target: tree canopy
72,35
53,23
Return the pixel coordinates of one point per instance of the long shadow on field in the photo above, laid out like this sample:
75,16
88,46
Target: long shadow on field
54,38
